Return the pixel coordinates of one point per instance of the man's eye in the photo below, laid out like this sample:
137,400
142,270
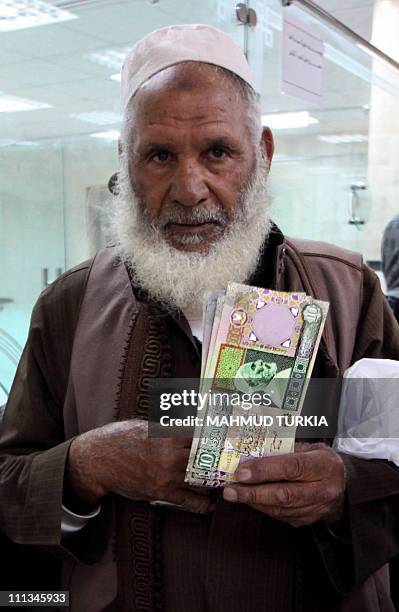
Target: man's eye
161,156
218,153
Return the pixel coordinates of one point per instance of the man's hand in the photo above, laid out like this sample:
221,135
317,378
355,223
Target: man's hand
298,488
121,458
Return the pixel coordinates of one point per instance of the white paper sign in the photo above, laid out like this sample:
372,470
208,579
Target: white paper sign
303,50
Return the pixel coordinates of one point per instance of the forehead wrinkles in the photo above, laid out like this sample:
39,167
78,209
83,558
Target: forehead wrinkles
173,119
201,129
176,106
199,120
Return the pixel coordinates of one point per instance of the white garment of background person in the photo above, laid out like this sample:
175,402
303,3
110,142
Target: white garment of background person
368,419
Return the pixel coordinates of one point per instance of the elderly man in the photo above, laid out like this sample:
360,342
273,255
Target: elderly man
79,475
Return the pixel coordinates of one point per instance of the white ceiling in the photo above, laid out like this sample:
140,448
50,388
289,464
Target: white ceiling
52,64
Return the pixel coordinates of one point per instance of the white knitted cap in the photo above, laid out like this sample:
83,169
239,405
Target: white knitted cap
180,43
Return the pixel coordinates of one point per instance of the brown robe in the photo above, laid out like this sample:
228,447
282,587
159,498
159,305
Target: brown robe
237,558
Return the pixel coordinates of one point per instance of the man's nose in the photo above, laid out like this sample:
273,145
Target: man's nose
189,187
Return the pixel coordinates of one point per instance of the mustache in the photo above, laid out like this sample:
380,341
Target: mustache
191,216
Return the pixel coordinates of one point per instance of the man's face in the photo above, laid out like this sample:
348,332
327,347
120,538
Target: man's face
191,155
259,371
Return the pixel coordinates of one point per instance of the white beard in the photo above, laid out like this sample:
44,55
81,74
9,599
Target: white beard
179,279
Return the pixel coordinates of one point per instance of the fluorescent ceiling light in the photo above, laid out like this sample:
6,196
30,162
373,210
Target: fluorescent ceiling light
288,121
11,104
111,58
110,135
21,14
343,138
98,118
116,77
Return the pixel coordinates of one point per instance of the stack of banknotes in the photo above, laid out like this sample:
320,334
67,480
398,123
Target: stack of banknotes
261,345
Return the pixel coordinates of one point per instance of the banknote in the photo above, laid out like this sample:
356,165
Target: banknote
209,310
287,392
212,310
263,342
232,317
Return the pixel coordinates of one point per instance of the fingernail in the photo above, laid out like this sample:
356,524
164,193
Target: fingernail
230,495
243,475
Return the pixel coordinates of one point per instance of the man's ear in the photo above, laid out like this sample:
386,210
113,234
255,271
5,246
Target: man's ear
113,181
267,143
113,184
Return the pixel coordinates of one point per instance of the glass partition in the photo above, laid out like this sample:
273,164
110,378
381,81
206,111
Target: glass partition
328,167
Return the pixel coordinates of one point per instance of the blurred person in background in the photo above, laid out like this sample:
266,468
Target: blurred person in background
390,263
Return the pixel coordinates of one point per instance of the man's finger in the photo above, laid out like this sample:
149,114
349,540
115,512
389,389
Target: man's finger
289,495
284,495
291,467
